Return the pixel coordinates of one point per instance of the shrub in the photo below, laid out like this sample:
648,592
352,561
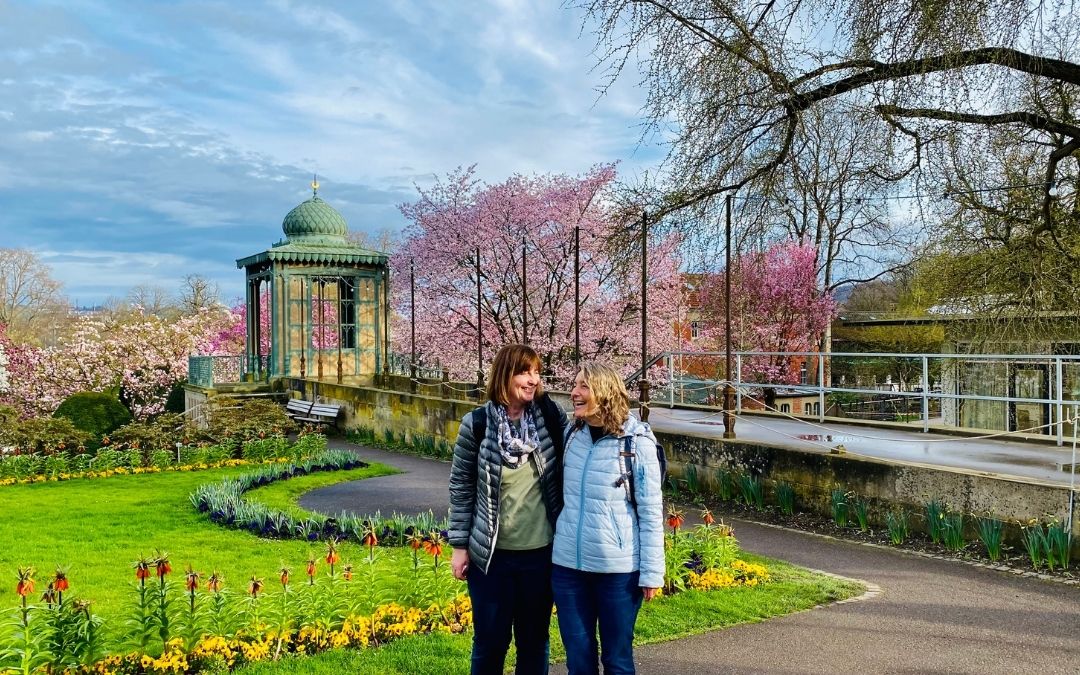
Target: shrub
148,436
43,435
96,413
175,402
233,423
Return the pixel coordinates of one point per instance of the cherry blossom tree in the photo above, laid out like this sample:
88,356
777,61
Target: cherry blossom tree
3,363
532,217
143,356
776,306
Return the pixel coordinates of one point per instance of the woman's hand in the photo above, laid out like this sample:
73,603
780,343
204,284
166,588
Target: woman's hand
649,593
459,563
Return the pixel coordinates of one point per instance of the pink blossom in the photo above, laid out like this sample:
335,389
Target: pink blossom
457,215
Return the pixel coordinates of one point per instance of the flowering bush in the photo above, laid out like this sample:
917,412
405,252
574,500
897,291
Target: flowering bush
705,559
141,354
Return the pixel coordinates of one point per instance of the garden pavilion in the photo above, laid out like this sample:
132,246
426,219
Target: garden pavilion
317,304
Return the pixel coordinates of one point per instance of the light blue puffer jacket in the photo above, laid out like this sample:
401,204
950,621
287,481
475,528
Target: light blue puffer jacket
598,529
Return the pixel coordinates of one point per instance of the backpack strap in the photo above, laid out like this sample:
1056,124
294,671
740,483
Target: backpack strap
479,425
548,410
627,479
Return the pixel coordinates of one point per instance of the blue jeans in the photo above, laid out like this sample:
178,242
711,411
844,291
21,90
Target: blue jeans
585,600
514,595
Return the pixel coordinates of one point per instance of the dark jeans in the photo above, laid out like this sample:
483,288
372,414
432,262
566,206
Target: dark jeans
514,594
585,600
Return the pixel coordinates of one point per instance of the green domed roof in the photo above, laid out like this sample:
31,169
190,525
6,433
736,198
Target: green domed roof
314,220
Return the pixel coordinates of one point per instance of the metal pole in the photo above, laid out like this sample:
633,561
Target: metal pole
738,380
340,332
524,298
412,318
322,326
925,395
303,332
479,332
386,322
643,382
671,379
821,387
729,416
1060,395
1072,474
577,296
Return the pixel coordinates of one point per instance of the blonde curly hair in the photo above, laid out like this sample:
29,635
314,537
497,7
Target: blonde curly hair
608,393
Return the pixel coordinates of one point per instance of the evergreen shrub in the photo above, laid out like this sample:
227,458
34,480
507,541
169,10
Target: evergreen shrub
94,412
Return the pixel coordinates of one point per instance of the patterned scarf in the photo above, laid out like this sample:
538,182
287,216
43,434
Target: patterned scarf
516,442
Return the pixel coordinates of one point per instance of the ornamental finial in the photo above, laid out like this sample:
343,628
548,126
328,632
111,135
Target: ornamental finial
315,185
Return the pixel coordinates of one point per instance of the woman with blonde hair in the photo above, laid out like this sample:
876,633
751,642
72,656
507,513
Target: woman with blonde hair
608,553
505,496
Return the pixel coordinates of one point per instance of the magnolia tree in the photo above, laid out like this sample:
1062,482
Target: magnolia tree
776,306
233,337
3,363
532,218
144,355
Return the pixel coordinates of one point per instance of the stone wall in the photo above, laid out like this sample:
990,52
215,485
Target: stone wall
432,410
886,485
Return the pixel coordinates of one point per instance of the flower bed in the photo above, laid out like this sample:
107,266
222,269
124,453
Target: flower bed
224,504
16,469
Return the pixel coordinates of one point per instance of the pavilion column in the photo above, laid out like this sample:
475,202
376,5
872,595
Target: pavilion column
303,327
248,347
256,331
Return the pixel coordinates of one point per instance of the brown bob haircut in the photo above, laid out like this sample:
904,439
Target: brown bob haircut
510,361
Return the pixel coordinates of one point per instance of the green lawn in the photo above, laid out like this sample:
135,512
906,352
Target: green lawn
98,528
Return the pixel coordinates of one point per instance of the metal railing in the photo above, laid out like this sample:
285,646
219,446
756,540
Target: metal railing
1008,392
400,364
206,371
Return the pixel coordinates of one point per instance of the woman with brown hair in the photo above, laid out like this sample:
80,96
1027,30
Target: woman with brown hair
505,496
609,540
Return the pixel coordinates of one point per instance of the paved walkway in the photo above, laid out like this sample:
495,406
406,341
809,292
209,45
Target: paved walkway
931,616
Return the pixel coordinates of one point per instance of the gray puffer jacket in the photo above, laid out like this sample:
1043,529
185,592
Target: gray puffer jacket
476,478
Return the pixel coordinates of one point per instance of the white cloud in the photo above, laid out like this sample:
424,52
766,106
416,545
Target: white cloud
191,149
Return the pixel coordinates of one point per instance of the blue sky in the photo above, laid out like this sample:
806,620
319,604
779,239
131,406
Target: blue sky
143,141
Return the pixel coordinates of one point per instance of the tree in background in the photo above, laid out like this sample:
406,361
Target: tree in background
968,110
30,299
384,239
3,361
143,356
198,293
776,306
150,298
537,215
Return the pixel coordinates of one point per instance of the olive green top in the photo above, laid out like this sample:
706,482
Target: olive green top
523,522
